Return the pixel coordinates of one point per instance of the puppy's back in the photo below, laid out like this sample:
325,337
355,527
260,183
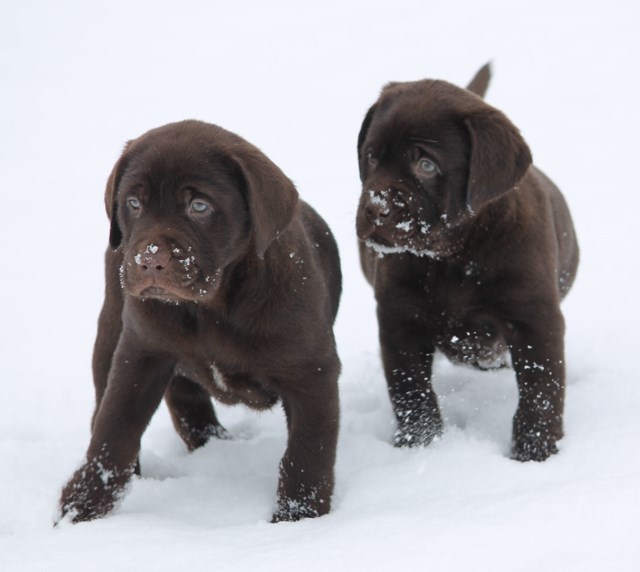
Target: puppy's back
324,246
566,239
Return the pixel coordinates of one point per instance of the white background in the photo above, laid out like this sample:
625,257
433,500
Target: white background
78,79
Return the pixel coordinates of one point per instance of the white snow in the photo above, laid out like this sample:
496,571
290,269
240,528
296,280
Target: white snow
382,250
150,249
379,198
218,378
296,79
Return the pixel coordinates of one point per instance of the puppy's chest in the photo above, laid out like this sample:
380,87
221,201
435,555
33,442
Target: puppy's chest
471,328
229,382
232,366
455,287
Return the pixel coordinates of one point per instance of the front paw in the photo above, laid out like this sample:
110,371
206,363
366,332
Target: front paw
417,432
534,446
535,437
92,492
291,510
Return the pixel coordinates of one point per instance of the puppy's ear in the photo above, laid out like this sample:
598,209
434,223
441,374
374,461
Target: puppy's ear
363,134
480,81
499,157
110,199
271,196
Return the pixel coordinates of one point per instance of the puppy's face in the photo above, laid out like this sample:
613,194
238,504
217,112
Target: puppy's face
182,208
431,157
183,220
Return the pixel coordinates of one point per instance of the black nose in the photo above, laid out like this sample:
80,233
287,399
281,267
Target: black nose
153,258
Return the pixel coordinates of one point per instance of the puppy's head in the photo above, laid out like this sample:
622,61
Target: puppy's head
186,202
431,157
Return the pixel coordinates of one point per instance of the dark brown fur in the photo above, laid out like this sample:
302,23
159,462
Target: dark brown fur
469,249
235,302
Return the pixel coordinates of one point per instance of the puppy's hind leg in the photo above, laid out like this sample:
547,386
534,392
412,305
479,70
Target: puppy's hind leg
192,413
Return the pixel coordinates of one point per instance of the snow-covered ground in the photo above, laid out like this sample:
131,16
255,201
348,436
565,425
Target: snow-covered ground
295,78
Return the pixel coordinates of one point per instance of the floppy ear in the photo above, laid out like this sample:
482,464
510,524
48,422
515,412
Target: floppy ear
499,157
271,196
363,133
110,199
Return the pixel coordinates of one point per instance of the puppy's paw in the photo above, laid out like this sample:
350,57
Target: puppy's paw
80,505
533,447
219,432
196,438
92,492
291,510
420,433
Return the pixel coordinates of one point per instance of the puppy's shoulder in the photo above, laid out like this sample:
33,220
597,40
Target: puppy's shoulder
314,225
536,181
540,195
321,252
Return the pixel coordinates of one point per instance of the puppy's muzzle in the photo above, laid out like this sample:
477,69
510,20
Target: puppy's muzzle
377,207
385,214
153,260
158,270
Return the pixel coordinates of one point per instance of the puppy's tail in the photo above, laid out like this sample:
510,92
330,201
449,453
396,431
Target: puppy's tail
480,81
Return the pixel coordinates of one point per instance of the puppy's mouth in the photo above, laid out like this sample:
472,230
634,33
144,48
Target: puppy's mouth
162,294
163,291
383,249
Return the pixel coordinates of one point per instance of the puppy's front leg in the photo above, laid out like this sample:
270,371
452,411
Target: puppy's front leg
135,389
109,327
407,355
538,359
307,467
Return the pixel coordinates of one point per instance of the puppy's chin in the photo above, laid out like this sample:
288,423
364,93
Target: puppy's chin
386,242
161,294
382,250
172,294
435,244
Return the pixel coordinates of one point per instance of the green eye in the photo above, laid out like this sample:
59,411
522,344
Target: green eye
427,166
199,206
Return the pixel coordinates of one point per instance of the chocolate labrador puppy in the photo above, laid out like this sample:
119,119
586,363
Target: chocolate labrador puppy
469,249
219,282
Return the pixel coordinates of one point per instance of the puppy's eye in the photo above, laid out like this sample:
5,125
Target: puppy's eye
199,207
371,158
427,166
134,203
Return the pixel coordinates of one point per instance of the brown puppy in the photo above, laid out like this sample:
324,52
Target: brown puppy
219,282
469,249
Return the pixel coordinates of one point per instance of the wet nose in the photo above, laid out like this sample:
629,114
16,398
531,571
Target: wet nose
153,258
376,212
377,206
